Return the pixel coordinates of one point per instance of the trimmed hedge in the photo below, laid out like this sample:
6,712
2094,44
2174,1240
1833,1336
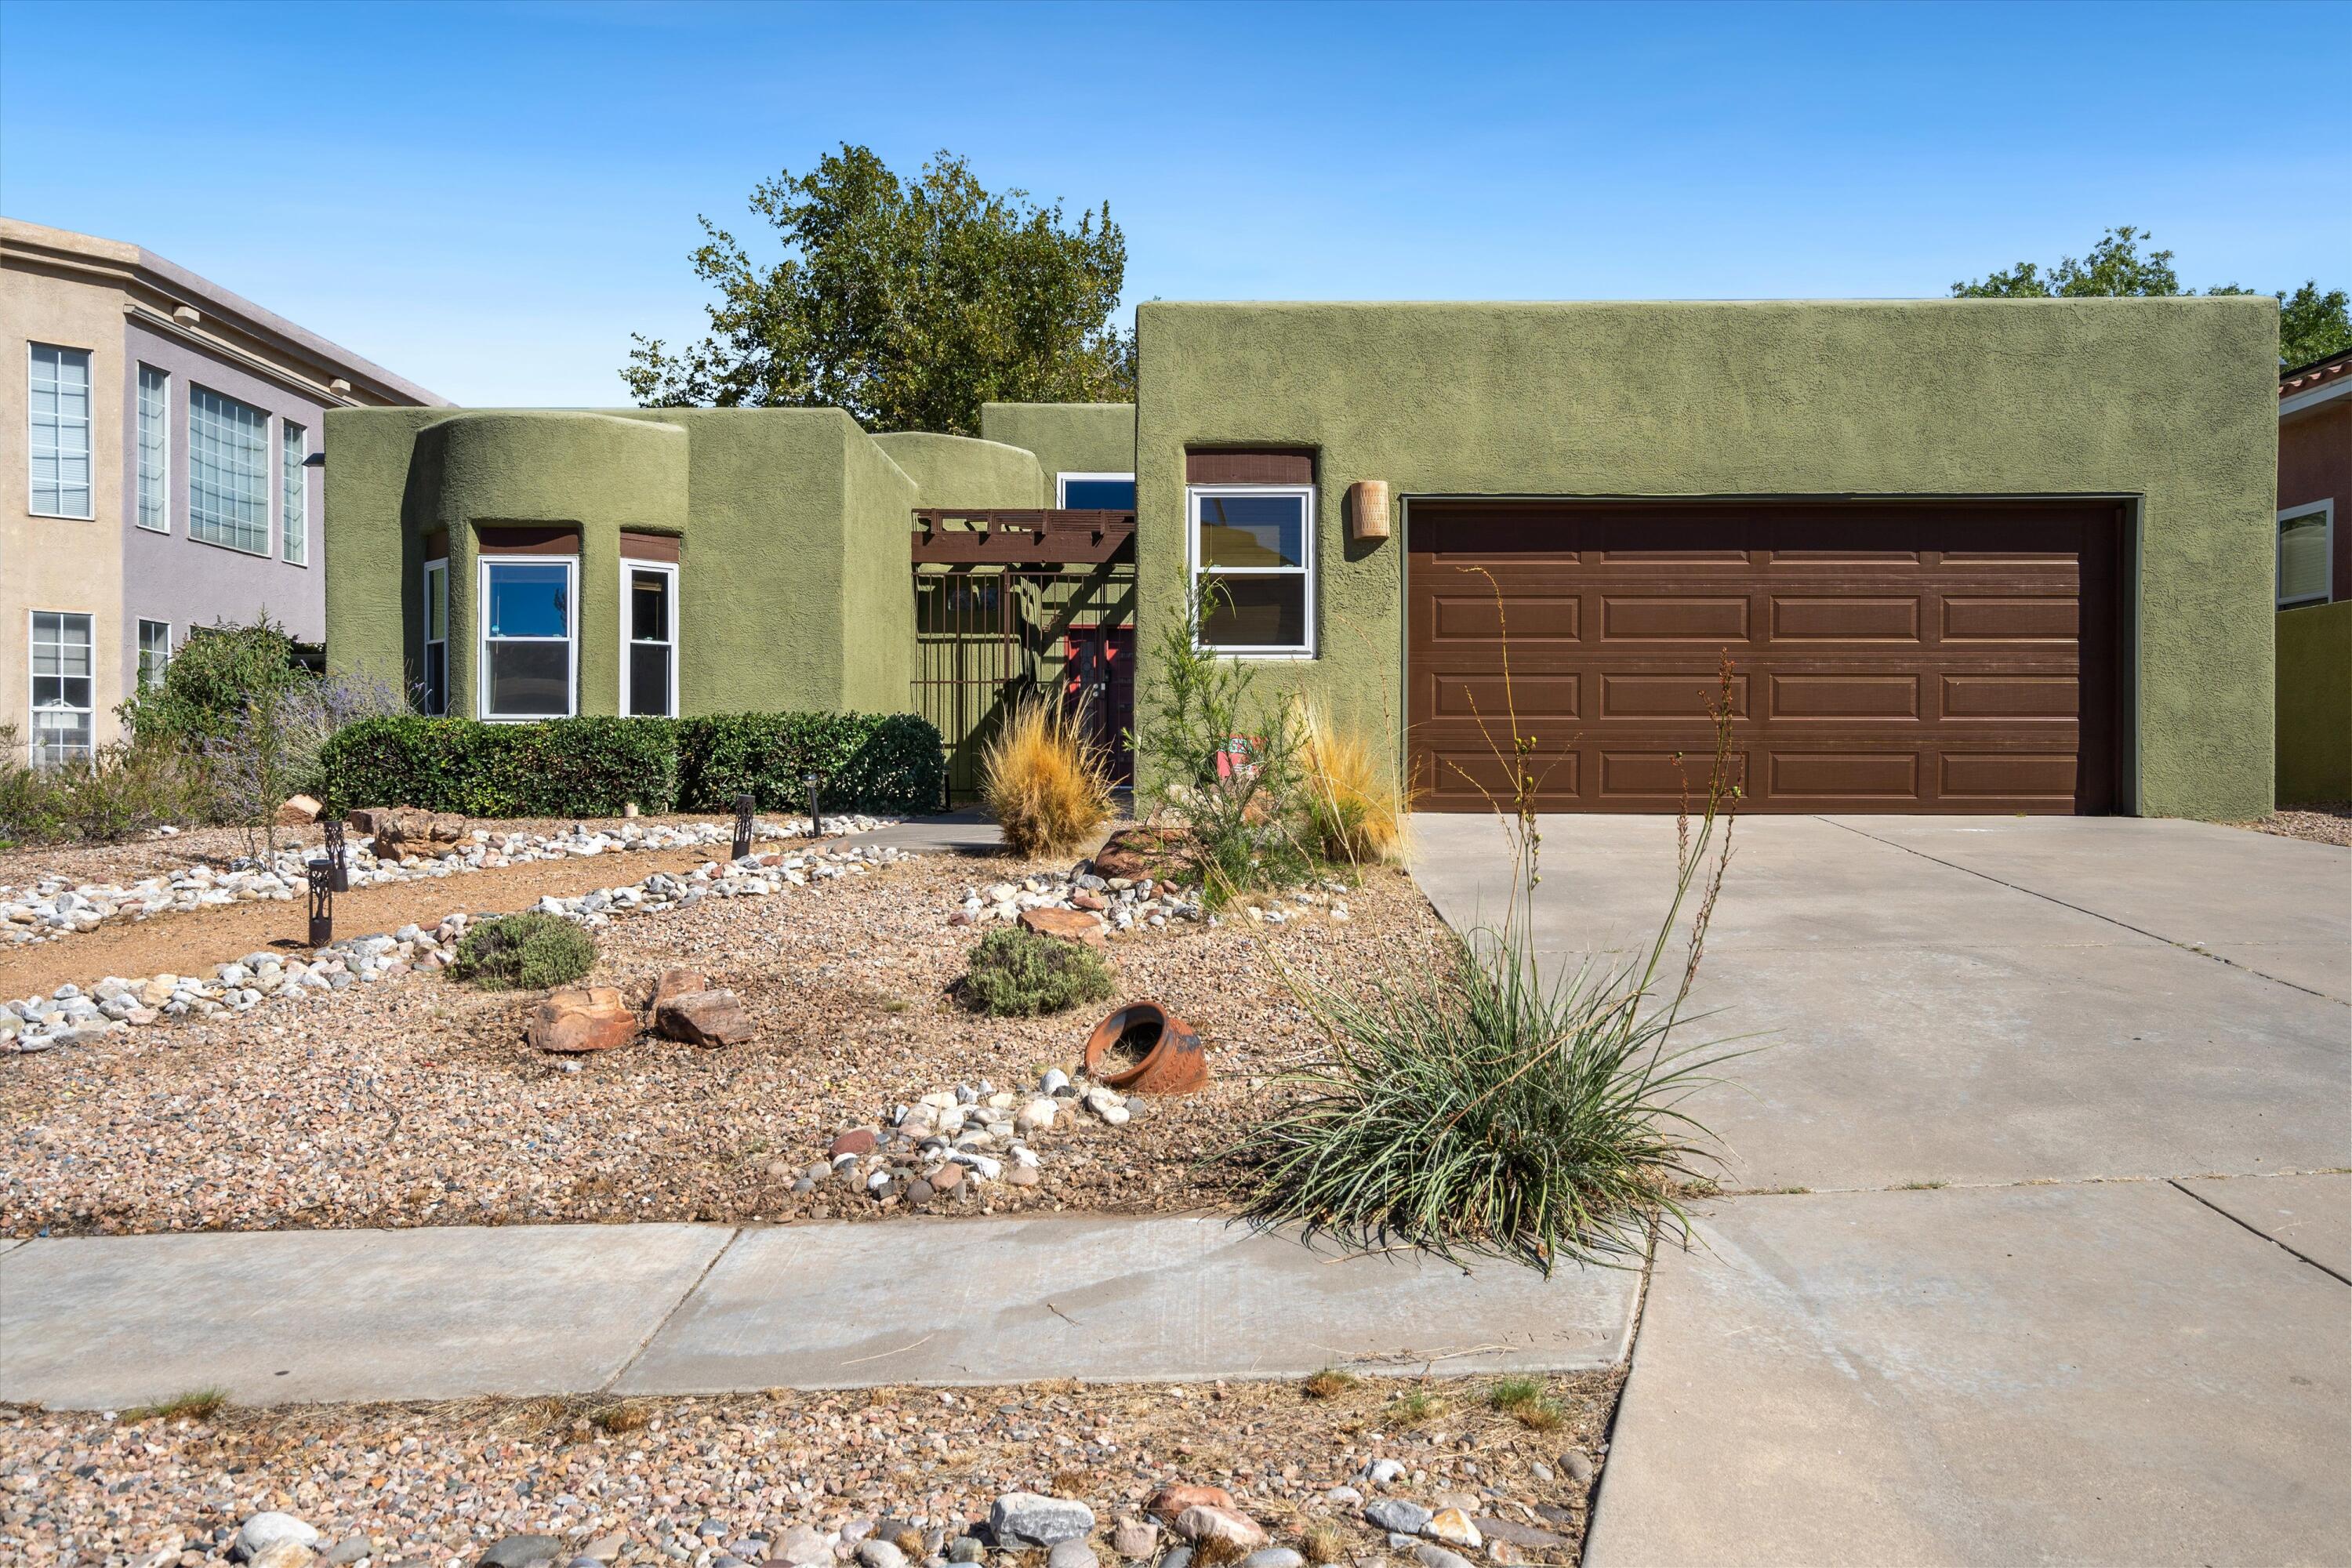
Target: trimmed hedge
594,766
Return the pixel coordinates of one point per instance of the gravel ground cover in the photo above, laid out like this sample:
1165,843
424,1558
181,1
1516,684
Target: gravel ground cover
417,1102
805,1479
2328,822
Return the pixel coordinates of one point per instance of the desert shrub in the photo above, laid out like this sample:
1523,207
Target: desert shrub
125,788
1019,974
1047,783
1482,1109
1226,763
526,951
1354,809
214,678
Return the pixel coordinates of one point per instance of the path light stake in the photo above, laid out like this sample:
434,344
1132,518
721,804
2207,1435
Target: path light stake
322,903
814,780
338,866
743,804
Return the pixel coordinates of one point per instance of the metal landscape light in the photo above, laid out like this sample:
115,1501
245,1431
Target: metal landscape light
322,903
338,867
743,805
814,782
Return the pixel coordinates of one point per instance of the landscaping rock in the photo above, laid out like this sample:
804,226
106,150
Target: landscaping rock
1392,1514
1025,1518
1136,1540
265,1530
878,1553
1521,1535
523,1551
284,1555
676,982
299,811
1170,1501
705,1018
1200,1523
1273,1557
1578,1468
1072,925
1430,1556
1072,1555
573,1023
802,1546
1453,1526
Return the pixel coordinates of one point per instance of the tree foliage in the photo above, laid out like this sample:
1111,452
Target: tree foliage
2313,323
909,302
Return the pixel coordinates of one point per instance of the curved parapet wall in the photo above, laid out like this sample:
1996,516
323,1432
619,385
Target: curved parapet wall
556,465
959,470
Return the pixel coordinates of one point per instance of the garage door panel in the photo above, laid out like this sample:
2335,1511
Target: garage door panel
1933,656
1469,778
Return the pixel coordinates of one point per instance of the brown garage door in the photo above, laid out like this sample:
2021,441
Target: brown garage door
1925,656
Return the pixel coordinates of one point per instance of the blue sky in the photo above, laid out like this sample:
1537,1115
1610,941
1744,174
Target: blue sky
488,199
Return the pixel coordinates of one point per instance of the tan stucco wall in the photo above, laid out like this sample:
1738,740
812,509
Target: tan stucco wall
60,563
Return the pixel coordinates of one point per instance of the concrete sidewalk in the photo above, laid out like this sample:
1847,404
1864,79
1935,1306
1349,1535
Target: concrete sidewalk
107,1322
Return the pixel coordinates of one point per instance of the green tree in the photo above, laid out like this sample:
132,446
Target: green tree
2313,323
907,302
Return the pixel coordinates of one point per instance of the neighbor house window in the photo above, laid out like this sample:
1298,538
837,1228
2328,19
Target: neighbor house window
154,653
649,659
293,508
228,472
1094,492
1252,562
61,687
528,636
57,432
2305,553
435,695
155,450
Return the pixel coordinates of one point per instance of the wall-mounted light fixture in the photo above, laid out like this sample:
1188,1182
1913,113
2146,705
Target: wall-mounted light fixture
1368,509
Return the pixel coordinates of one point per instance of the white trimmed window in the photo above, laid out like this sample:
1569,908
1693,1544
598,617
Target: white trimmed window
2306,555
529,640
58,430
293,507
61,687
650,639
154,653
228,472
434,695
1251,553
1094,492
155,450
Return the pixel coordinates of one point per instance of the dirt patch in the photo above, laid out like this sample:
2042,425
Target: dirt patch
438,1482
190,941
416,1102
2326,822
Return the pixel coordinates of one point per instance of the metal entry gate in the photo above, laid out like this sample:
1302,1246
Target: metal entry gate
1014,603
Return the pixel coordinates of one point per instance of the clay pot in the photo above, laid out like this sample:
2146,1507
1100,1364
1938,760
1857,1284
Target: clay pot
1174,1064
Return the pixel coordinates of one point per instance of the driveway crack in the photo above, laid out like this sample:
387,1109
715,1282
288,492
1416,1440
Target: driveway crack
2109,920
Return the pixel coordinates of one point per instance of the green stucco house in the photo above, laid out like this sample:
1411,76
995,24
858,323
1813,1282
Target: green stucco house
1963,555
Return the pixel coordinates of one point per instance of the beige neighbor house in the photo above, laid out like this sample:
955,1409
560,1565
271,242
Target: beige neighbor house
159,446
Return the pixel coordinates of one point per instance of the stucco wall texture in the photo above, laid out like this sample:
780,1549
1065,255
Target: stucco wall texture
2169,402
1068,437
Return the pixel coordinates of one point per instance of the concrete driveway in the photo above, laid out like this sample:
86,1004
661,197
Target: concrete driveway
2027,1274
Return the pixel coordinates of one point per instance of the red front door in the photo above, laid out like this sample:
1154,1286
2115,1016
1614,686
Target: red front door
1100,681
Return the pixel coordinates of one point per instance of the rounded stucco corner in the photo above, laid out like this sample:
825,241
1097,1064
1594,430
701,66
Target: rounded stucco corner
557,466
963,471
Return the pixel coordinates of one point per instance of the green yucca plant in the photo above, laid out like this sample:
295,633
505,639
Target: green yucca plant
1482,1110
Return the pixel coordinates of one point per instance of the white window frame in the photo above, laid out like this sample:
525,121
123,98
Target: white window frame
144,680
2326,511
294,493
1193,568
424,626
88,714
268,461
1062,484
163,452
89,429
667,569
571,564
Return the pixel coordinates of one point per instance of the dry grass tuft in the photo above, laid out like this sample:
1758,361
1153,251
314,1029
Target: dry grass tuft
1075,1484
1323,1543
1352,800
196,1404
1329,1383
626,1416
1412,1409
1215,1551
1047,783
1524,1400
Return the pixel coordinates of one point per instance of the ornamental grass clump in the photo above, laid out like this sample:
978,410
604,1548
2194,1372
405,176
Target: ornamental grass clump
1018,973
532,952
1354,809
1482,1109
1045,782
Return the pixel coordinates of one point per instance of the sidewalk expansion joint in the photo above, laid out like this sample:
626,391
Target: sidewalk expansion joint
2275,1241
734,1235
